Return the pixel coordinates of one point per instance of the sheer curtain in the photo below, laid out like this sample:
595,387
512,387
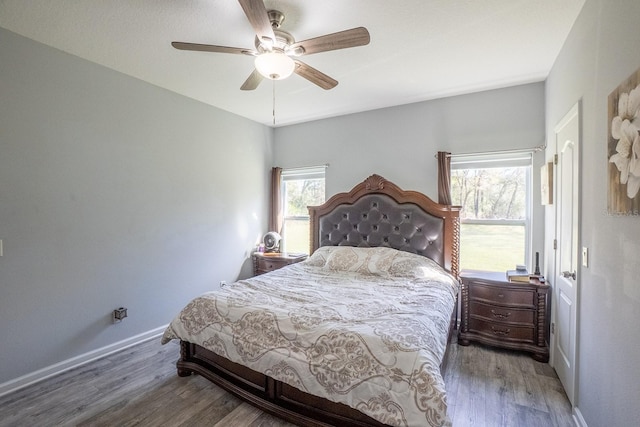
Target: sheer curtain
444,178
275,212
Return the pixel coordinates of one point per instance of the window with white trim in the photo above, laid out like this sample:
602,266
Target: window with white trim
301,187
494,191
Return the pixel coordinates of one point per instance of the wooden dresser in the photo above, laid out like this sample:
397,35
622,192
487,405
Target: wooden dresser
265,263
504,314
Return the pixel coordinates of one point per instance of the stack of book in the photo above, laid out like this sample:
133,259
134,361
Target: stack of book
518,276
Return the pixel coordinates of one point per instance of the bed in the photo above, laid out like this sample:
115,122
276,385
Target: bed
356,334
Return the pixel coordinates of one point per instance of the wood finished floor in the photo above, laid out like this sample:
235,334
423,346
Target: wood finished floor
139,387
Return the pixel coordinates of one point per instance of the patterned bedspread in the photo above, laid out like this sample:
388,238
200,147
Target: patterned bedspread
364,327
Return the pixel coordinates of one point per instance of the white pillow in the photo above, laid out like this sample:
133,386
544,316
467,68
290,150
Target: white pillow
376,261
406,264
319,257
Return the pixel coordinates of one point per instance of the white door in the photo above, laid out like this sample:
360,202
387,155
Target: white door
565,293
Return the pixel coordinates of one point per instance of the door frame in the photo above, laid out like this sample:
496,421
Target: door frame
575,111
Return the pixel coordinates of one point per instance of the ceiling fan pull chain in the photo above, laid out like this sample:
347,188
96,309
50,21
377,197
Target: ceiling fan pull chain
274,102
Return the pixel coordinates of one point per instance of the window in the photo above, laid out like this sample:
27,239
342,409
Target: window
301,187
494,192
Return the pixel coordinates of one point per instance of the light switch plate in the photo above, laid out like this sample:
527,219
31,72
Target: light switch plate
585,256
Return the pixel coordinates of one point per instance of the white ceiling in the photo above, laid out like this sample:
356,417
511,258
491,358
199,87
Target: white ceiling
419,50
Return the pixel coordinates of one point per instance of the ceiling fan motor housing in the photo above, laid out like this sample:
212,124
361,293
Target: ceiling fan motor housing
283,39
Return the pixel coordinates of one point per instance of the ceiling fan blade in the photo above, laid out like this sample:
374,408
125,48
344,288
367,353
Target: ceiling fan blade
340,40
252,81
259,19
314,76
212,48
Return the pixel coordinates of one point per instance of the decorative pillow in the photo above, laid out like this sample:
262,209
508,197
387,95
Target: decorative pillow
319,257
375,261
406,264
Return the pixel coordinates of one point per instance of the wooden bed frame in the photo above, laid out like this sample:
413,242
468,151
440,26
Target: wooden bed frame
414,223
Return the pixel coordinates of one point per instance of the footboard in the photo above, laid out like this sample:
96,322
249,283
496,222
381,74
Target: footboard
272,396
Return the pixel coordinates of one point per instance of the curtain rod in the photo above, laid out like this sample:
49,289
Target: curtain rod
325,165
514,151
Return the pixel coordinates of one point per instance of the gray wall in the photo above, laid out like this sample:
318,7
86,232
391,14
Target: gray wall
399,143
113,192
601,52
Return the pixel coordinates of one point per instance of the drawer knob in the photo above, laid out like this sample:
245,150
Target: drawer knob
500,315
501,332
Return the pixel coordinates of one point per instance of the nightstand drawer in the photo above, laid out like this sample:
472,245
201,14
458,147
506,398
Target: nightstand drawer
501,314
503,331
503,295
265,265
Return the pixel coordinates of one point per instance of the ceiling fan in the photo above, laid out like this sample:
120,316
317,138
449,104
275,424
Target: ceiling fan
276,51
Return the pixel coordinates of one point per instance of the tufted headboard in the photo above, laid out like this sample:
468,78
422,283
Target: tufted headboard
377,212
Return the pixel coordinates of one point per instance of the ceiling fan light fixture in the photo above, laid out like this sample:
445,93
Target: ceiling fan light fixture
274,65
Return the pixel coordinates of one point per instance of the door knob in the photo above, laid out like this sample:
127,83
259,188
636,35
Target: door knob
567,275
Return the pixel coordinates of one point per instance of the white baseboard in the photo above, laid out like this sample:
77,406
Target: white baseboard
58,368
578,419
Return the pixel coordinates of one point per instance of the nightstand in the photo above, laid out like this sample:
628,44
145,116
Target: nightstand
265,263
504,314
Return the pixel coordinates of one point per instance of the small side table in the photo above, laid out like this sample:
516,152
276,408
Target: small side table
265,263
504,314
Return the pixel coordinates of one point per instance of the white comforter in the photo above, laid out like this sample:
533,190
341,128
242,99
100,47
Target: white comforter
367,328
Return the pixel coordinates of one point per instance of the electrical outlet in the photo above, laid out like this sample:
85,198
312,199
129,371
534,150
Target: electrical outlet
119,314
